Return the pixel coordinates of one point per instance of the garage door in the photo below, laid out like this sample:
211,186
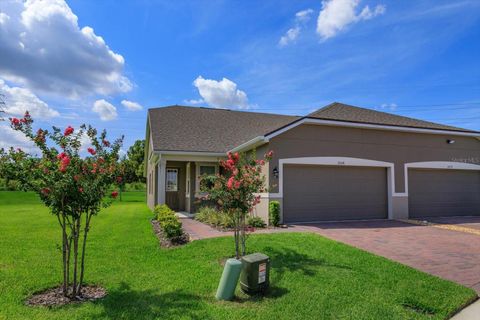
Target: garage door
436,193
328,193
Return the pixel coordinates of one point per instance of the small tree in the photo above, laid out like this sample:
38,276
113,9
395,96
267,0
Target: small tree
74,188
236,190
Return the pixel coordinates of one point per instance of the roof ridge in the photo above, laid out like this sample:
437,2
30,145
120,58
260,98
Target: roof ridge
318,114
221,109
328,106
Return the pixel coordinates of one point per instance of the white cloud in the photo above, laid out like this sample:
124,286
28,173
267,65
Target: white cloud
194,101
289,36
11,138
4,18
301,17
336,15
367,14
221,94
105,110
389,106
18,100
304,15
131,106
43,47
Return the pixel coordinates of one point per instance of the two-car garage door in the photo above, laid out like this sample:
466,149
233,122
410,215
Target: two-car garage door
436,192
323,193
329,193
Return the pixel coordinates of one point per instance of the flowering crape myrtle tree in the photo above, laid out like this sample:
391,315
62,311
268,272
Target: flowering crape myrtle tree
236,190
74,188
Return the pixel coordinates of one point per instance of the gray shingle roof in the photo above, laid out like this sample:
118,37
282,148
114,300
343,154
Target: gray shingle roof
344,112
195,129
179,128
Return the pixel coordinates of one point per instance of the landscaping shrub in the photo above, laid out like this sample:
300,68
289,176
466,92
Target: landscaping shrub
10,185
163,212
172,227
169,222
214,217
256,222
274,213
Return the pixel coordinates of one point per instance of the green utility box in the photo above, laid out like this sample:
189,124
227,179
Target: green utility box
255,273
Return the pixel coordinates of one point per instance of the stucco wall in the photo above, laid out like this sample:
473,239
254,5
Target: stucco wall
151,177
389,146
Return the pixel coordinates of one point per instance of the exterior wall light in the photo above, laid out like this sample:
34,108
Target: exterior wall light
449,141
275,172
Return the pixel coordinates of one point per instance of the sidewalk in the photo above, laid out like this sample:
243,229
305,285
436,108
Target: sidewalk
472,312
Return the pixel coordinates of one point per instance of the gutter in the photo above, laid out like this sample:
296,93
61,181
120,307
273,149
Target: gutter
255,142
189,153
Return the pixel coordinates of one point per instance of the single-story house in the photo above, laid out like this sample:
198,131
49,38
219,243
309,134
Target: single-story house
338,163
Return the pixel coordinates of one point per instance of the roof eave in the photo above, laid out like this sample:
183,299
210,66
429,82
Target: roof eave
310,120
187,153
253,143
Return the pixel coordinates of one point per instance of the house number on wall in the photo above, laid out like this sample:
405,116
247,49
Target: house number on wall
341,162
450,166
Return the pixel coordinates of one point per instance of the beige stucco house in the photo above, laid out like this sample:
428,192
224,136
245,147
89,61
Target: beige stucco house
338,163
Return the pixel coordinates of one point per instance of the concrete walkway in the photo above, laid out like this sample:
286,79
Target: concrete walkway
472,312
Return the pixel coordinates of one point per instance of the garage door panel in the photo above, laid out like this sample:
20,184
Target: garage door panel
435,193
321,193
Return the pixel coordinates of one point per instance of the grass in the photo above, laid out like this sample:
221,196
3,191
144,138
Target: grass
312,277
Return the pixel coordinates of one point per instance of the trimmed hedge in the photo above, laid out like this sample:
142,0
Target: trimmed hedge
274,213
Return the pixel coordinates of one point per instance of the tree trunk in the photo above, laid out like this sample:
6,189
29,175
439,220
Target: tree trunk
69,254
84,244
76,234
243,236
64,254
236,234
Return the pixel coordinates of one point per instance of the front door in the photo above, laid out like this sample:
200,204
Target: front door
172,197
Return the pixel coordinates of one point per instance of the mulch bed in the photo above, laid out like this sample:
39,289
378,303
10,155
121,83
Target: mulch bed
164,241
54,296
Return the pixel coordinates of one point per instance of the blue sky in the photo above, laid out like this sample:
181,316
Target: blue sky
413,58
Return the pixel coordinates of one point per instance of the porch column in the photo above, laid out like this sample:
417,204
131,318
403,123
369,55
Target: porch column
162,169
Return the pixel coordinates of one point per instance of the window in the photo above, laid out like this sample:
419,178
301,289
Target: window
202,169
172,180
208,170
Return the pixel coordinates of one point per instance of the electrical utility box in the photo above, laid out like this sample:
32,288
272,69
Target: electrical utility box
255,276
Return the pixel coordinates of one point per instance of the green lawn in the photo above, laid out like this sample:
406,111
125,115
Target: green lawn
312,277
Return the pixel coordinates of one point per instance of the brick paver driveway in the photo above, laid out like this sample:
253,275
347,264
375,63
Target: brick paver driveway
448,254
468,222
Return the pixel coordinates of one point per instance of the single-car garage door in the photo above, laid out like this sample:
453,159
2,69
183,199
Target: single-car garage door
437,193
328,193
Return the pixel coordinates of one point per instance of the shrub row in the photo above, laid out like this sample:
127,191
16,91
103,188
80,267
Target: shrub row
214,217
169,222
217,218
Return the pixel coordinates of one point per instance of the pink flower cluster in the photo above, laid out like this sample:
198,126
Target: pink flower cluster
68,131
17,123
64,161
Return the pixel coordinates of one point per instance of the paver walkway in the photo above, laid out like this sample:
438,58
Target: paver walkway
452,255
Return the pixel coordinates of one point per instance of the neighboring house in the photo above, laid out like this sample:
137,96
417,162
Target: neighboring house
340,162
